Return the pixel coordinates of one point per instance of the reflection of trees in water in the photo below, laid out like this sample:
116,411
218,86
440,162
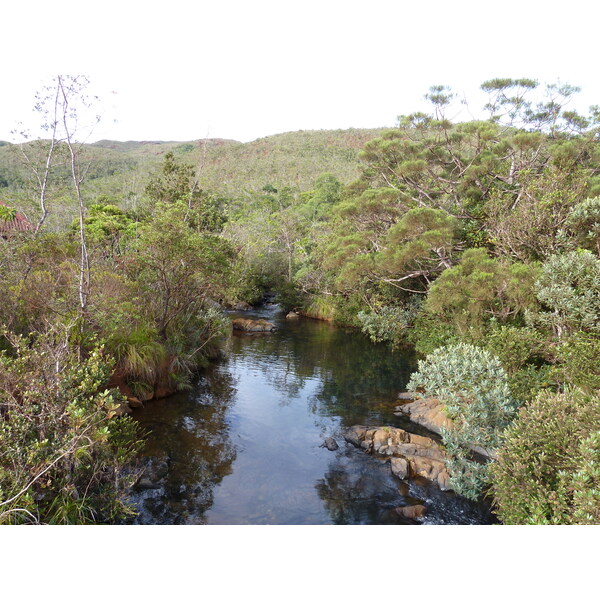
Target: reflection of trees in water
188,452
353,373
358,489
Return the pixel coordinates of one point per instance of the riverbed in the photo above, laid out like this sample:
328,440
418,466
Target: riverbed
245,444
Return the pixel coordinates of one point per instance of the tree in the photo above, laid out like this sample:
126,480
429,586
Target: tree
479,288
178,267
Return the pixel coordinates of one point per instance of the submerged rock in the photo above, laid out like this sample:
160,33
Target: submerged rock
410,454
134,402
242,306
253,325
413,511
330,444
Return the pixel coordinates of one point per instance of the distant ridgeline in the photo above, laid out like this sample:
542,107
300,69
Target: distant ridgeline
224,167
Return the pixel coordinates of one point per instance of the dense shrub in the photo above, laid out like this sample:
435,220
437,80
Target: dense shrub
548,469
578,361
569,291
430,333
524,354
474,389
62,458
389,323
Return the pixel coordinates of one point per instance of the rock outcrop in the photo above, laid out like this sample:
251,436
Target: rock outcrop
428,412
330,444
410,454
253,325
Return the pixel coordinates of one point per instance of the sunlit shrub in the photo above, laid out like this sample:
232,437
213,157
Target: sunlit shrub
548,468
474,390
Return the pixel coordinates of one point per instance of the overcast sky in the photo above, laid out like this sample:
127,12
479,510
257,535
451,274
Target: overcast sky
181,70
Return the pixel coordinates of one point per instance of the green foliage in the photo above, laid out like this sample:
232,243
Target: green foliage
578,360
547,471
7,213
515,347
390,323
430,332
174,184
479,288
108,228
63,458
523,353
583,223
474,390
531,226
568,289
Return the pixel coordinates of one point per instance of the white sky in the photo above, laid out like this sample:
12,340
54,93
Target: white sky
184,70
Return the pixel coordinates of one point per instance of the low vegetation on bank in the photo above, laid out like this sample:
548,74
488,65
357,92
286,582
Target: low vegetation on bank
477,243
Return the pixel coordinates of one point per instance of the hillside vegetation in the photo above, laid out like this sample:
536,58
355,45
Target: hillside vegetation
121,170
477,243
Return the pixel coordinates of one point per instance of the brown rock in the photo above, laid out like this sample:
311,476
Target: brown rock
443,481
354,435
415,511
411,454
134,402
428,412
330,444
147,395
292,315
400,467
253,325
164,389
426,467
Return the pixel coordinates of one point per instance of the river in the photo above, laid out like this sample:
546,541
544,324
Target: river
244,446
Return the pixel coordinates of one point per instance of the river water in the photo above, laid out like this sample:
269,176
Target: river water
244,446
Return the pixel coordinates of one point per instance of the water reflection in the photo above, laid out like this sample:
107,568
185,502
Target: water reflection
189,451
245,446
358,489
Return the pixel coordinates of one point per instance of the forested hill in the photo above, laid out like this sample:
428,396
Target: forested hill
227,167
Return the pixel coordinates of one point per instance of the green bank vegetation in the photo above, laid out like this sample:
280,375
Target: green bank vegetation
477,243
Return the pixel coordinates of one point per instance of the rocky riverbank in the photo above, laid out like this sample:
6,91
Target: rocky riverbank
410,455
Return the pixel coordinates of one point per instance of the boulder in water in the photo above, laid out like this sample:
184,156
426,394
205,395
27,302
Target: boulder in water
242,306
410,454
412,511
330,444
253,325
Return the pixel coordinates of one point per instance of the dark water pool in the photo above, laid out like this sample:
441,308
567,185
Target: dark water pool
244,446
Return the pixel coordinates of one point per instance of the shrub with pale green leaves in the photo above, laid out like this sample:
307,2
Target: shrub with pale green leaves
568,289
475,392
